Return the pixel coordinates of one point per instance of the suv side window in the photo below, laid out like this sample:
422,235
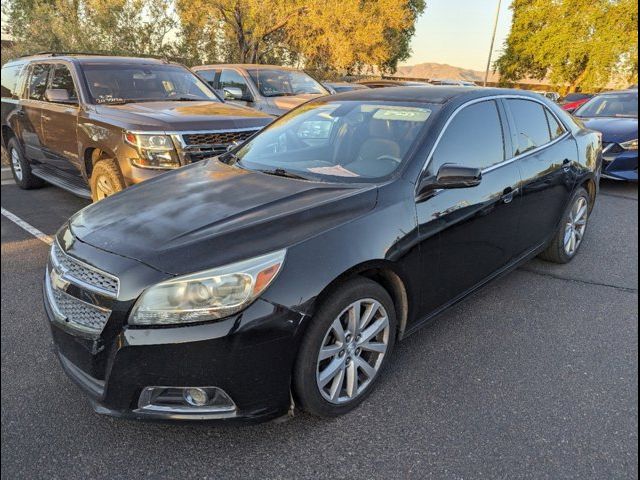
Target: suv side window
208,76
231,78
62,79
38,75
474,138
10,76
531,124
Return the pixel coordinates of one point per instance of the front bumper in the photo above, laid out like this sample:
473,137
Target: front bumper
249,356
620,165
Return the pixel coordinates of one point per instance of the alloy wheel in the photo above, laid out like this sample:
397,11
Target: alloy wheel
352,351
104,187
576,226
16,164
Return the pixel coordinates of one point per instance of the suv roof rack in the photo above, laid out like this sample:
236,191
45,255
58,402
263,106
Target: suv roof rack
97,54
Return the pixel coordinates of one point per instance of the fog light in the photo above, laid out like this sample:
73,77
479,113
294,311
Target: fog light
196,397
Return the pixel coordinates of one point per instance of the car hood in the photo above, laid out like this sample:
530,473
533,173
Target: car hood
613,129
289,103
210,214
176,116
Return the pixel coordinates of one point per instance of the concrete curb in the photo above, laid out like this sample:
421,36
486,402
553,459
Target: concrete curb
6,174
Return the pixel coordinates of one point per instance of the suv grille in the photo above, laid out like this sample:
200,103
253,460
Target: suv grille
217,138
83,275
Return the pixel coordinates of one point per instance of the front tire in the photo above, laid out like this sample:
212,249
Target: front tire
106,180
345,348
21,168
568,239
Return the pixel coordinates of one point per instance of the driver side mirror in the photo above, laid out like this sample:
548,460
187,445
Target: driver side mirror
235,93
450,175
58,95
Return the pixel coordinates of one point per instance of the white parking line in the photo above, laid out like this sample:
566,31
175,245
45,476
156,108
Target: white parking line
26,226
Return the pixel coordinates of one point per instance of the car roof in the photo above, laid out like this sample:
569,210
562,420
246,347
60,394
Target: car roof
251,66
87,59
428,94
613,92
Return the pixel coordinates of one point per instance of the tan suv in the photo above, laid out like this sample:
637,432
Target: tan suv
97,124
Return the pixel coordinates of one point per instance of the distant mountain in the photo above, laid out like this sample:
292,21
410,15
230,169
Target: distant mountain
442,71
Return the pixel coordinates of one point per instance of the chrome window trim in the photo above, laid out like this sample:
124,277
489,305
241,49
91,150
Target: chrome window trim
495,98
81,283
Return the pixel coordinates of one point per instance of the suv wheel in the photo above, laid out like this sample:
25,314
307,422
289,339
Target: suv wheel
344,349
106,180
21,168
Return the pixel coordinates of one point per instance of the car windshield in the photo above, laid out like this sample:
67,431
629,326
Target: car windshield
347,141
281,83
112,84
611,105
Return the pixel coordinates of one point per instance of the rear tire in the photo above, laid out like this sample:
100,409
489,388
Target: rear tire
343,351
106,180
568,239
21,168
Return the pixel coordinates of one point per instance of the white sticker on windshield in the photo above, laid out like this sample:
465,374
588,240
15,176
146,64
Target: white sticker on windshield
406,114
336,171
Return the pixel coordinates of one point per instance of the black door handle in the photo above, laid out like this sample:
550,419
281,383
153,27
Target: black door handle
508,194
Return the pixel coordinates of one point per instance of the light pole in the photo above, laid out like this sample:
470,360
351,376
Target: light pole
493,39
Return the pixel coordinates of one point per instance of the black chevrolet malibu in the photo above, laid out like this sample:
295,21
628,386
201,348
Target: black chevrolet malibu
282,273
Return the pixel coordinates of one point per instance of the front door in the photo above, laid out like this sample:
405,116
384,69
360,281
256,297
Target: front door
472,231
31,112
60,123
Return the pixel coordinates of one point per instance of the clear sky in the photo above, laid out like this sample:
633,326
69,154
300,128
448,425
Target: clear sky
458,32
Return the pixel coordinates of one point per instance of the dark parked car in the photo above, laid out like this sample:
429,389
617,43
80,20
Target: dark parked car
340,87
96,124
574,100
282,273
392,83
615,115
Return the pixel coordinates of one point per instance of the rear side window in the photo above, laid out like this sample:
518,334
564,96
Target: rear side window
10,77
555,127
38,76
531,124
61,79
474,138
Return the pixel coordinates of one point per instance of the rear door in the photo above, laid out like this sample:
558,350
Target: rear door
31,116
547,156
469,234
60,122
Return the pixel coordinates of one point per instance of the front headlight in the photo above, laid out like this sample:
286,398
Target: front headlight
630,145
155,151
208,295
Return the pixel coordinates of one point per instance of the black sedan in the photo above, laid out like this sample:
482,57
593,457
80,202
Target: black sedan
282,273
615,115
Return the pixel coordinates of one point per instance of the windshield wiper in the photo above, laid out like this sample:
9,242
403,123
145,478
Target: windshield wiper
281,172
281,94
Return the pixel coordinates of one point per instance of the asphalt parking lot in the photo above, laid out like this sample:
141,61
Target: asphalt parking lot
536,376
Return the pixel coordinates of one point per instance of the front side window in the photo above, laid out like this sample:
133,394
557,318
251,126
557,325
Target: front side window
282,83
208,76
61,79
38,77
531,124
231,78
111,84
346,141
474,138
611,105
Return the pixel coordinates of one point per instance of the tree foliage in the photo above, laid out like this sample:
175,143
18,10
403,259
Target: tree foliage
580,43
346,35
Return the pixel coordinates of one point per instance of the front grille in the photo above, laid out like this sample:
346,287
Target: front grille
83,275
80,313
217,138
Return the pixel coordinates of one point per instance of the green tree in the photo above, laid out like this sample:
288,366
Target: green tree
579,43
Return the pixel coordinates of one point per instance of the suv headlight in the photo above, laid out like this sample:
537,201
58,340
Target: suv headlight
208,295
630,145
155,151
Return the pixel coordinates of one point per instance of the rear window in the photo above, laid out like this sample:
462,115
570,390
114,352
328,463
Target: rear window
531,124
10,77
